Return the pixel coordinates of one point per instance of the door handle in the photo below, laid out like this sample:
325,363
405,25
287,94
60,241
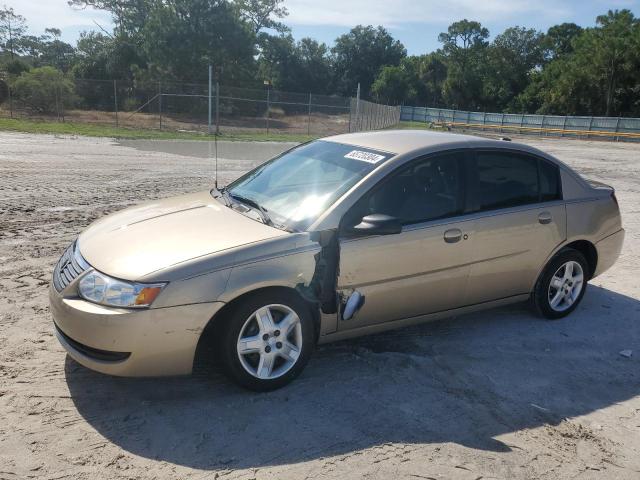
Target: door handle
452,236
544,218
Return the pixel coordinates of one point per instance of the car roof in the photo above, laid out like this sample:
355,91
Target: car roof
406,141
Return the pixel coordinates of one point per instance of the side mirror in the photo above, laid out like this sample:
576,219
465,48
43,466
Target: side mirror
378,224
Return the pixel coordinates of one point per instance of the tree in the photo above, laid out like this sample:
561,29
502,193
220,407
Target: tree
129,16
464,47
44,90
298,67
418,80
182,37
613,46
4,91
48,49
432,73
314,64
511,60
262,14
598,78
99,56
394,84
464,36
559,39
12,28
277,59
359,55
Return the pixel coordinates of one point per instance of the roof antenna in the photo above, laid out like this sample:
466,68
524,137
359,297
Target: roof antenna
215,142
215,138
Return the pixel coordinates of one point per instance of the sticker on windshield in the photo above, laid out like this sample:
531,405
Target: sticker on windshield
364,156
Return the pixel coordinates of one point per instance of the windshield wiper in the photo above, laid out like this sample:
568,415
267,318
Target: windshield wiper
221,193
252,203
264,215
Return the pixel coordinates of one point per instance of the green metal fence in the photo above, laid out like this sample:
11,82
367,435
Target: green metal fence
609,128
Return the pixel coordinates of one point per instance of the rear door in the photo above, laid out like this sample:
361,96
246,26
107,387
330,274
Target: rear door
520,220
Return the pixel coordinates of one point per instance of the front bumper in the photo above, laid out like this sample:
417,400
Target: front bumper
131,343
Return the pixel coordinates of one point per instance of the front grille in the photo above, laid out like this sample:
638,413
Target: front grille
68,268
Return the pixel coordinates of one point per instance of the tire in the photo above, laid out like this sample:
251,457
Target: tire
271,357
559,300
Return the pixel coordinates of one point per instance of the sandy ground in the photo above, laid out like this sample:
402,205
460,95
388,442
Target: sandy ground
500,394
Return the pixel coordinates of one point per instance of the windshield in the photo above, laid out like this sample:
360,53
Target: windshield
295,188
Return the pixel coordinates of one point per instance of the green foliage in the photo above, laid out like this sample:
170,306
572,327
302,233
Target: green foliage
567,70
600,76
15,67
418,80
296,67
465,46
48,50
393,85
511,59
103,57
44,90
359,55
262,14
4,91
182,37
559,39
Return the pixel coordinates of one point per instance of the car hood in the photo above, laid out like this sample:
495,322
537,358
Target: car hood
156,235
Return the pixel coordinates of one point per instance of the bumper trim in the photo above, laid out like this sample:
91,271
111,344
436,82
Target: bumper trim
93,353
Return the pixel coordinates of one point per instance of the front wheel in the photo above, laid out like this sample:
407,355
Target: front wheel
561,285
268,340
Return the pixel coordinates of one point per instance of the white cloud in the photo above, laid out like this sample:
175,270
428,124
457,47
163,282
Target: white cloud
41,14
393,13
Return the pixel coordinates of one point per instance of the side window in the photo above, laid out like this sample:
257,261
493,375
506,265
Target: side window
506,180
426,190
549,182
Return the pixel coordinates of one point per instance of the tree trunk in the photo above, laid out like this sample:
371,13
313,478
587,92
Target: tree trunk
10,38
610,88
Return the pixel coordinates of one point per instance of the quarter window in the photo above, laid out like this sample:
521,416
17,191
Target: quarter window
549,182
509,180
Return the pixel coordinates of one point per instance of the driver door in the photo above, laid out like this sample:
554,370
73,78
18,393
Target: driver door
424,268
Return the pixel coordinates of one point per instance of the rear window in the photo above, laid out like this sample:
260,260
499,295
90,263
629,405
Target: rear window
508,179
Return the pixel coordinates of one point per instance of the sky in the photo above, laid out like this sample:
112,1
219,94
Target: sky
416,23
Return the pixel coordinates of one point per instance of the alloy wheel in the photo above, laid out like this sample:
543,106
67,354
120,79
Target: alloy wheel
565,286
270,342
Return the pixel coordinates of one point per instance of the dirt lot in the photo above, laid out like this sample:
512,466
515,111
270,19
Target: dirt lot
501,394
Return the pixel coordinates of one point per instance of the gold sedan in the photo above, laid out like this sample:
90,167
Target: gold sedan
336,238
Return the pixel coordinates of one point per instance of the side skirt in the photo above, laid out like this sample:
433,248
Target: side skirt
406,322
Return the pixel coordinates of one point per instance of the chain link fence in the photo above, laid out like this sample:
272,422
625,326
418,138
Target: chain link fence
186,107
609,128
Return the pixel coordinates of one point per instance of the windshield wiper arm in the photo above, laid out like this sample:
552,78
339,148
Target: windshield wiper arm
252,203
221,193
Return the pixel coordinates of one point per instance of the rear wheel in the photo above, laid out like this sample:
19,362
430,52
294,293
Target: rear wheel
561,285
268,340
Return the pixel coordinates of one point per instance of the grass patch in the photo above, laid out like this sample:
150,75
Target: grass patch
93,130
413,126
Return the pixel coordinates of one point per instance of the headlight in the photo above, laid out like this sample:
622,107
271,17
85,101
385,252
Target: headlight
100,288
